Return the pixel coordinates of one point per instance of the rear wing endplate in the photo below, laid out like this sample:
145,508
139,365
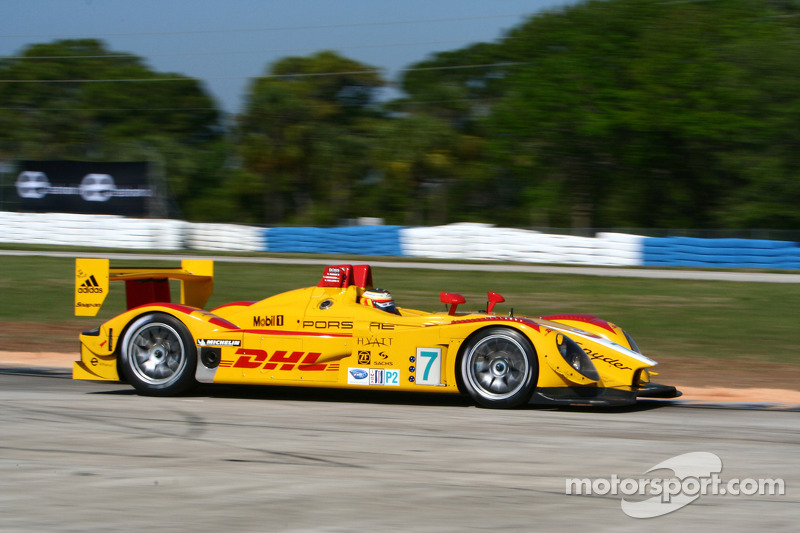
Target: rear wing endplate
142,285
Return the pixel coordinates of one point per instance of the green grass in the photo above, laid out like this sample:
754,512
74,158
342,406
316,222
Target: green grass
673,318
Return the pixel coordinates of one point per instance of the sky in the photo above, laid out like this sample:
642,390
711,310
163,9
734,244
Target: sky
226,43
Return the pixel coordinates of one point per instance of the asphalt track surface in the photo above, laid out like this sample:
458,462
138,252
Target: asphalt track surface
85,456
94,456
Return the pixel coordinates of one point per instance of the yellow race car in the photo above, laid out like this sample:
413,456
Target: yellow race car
346,333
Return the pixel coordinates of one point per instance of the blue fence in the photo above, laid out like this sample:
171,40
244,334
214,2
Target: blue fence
357,240
720,253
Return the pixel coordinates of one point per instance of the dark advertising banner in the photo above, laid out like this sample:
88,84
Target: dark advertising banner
83,187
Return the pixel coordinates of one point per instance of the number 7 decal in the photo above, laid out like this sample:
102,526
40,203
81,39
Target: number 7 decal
429,366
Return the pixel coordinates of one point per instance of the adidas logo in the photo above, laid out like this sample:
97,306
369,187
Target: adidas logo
90,286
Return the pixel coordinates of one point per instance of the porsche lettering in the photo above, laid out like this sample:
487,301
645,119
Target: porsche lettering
328,324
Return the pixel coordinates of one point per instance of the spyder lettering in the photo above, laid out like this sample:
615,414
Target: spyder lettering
608,360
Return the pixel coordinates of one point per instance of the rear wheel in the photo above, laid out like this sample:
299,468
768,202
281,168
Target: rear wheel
499,368
158,355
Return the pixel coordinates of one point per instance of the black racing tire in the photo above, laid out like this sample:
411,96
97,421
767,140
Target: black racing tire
158,356
499,368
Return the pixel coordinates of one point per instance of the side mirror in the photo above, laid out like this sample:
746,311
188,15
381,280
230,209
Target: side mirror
453,299
494,299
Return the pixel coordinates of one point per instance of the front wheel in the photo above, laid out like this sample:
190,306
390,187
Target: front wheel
499,368
158,356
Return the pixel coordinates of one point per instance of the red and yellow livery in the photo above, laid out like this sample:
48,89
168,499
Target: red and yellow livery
322,336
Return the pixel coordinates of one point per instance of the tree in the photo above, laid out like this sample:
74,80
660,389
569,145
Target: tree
301,135
633,113
75,99
412,161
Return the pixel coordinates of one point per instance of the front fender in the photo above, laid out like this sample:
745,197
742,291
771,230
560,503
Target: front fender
616,364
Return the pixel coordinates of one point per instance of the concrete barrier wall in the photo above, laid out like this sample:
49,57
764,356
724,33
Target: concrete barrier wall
464,241
108,231
485,242
103,231
225,237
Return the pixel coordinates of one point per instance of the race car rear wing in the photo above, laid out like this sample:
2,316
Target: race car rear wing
142,285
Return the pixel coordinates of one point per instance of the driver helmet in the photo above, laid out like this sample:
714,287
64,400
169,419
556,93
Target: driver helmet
379,299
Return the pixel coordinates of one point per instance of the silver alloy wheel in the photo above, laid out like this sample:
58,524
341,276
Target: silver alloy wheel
156,354
497,367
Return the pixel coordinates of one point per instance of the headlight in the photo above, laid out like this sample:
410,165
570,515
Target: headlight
576,357
632,343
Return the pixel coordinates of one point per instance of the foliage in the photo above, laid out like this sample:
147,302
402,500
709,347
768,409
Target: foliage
640,113
614,113
62,100
300,134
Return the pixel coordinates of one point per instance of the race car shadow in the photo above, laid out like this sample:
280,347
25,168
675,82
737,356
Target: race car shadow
302,394
316,395
639,406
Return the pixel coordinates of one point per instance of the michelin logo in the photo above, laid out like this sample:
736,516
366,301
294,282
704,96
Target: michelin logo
217,342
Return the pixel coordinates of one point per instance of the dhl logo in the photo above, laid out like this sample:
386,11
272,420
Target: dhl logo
280,360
